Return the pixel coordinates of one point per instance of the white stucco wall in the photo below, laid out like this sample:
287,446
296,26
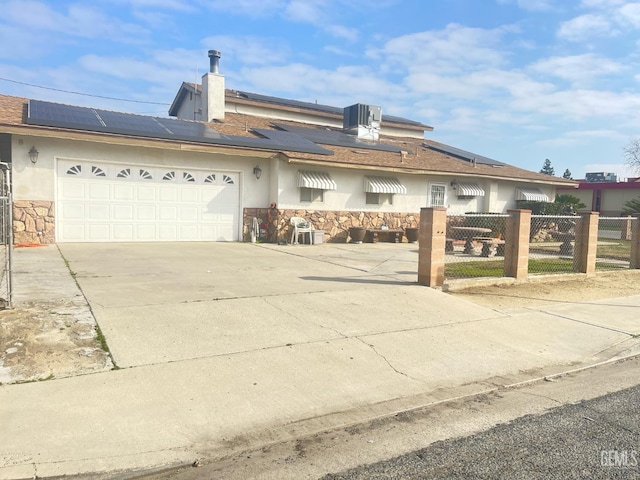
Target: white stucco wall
350,195
38,182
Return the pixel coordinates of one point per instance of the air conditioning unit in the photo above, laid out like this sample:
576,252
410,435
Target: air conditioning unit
362,120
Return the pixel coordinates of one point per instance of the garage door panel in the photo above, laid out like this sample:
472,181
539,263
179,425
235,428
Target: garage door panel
189,214
146,193
101,202
122,212
146,212
123,232
189,195
168,214
99,191
145,232
168,232
98,212
168,194
123,192
188,231
72,190
73,233
98,232
72,211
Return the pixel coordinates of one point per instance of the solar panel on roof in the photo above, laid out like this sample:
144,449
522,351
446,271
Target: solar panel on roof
94,120
464,155
63,113
339,139
130,122
288,139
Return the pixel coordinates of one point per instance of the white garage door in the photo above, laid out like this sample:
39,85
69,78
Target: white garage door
99,202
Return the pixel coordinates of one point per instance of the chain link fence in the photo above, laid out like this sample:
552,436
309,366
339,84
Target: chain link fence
475,245
551,243
6,238
614,243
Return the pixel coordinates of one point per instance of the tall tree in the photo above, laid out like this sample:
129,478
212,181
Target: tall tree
632,154
567,175
547,168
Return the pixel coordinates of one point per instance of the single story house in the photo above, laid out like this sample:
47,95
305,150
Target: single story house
231,160
602,193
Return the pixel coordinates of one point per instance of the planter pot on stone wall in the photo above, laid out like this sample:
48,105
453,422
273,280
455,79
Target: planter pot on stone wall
411,234
357,234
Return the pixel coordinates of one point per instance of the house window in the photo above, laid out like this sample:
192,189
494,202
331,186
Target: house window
379,198
311,195
437,195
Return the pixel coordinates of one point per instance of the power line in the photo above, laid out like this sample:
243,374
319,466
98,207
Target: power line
85,94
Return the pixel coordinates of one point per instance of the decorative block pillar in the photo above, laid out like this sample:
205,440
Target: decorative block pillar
516,247
431,242
584,257
635,242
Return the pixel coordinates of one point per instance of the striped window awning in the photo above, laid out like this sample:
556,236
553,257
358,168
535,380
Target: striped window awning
470,190
383,185
317,180
531,195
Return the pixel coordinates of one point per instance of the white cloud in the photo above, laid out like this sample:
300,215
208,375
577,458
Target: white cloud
630,14
248,50
536,5
253,8
601,3
79,20
586,27
454,49
579,69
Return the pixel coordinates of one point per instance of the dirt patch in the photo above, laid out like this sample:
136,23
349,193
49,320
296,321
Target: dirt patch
604,285
45,340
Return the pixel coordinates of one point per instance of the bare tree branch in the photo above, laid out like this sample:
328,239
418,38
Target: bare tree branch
632,154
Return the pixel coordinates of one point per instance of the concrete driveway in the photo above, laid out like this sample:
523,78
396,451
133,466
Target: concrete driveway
166,302
224,347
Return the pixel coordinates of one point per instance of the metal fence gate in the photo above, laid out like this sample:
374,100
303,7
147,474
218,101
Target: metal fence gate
6,237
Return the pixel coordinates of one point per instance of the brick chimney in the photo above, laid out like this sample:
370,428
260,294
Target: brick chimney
213,90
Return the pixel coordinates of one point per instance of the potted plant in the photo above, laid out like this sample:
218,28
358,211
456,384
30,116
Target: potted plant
412,234
357,234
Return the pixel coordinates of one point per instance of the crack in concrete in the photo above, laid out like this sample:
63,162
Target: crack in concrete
372,347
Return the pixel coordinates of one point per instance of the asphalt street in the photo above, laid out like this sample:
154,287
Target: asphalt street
598,438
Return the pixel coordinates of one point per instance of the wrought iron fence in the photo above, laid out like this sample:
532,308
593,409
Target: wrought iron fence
6,238
475,245
551,243
614,242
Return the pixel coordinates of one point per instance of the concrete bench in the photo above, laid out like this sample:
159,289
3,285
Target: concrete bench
491,246
451,242
372,235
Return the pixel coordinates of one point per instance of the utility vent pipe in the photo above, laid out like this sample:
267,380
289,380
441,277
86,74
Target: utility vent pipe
214,61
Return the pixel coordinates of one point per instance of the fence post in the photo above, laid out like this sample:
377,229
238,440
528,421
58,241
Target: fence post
516,247
625,233
586,245
635,242
431,243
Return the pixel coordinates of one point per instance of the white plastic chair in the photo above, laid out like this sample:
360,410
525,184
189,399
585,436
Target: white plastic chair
300,226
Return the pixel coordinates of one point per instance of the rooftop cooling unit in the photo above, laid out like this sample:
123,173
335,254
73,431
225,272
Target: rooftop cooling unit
362,120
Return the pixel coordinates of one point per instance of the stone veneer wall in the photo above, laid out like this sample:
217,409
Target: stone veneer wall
33,221
335,224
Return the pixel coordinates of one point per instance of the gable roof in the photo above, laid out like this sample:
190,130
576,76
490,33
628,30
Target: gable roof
284,103
259,134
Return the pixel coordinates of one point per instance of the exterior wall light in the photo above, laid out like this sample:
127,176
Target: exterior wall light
257,171
33,155
454,185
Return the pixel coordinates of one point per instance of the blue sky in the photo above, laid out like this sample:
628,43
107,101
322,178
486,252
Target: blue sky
515,80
